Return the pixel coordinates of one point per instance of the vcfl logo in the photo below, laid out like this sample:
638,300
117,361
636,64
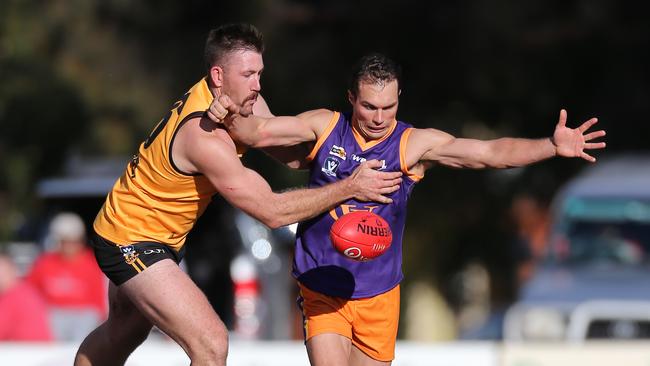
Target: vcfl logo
330,166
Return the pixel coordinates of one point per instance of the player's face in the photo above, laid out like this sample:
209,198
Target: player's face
374,108
241,78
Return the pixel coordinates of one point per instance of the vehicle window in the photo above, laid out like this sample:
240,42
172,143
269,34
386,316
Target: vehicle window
606,231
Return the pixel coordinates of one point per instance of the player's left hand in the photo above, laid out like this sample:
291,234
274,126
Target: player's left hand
572,143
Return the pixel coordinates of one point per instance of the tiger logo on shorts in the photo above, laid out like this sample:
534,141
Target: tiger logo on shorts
130,255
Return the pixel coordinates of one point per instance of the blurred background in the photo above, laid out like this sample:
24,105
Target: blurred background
83,82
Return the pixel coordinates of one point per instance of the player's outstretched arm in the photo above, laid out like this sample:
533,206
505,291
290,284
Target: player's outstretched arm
437,146
247,190
266,131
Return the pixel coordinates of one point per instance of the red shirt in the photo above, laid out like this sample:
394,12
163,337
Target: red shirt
75,282
23,315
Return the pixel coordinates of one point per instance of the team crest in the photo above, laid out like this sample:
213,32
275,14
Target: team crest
346,209
330,166
338,151
129,253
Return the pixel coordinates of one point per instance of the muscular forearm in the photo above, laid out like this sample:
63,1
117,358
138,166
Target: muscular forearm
246,130
261,132
301,204
516,152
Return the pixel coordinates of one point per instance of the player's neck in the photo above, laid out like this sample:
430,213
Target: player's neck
216,91
360,136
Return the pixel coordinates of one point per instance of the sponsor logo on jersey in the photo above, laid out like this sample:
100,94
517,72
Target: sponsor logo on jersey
338,151
330,166
360,159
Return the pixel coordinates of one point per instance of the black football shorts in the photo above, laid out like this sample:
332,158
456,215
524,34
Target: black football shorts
121,263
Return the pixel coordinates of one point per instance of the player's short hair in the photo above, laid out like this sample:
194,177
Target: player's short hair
231,37
374,68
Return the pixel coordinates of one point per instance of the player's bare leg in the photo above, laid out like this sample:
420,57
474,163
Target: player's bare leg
332,349
328,349
170,300
114,340
358,358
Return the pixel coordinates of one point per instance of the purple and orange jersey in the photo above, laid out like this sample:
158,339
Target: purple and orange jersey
337,153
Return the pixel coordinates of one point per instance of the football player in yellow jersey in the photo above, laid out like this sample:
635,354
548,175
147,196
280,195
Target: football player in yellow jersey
141,229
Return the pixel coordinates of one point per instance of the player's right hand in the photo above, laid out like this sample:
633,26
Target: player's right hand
369,184
221,108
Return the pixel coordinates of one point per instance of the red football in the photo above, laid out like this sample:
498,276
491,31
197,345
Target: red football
361,235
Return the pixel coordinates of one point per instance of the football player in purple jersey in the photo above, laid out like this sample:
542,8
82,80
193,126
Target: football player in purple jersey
351,309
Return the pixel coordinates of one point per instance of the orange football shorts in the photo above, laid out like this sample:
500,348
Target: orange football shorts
370,323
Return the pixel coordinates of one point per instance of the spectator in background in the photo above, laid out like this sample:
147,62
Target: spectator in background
532,222
70,281
23,313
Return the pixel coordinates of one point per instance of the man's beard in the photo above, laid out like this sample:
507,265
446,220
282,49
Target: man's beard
246,107
246,110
